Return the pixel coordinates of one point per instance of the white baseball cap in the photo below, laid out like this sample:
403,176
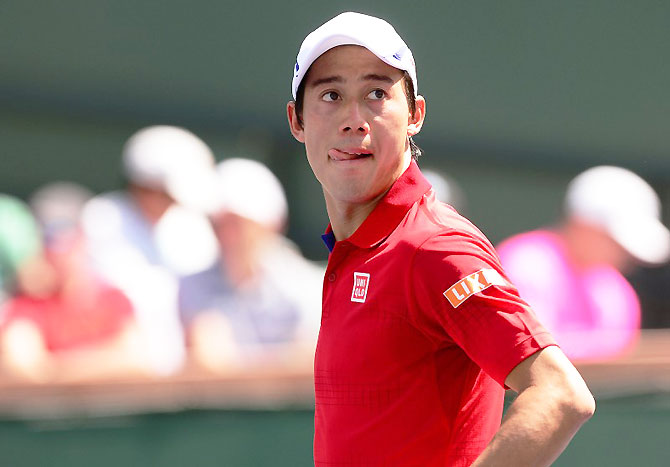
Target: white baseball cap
625,206
249,189
351,28
170,158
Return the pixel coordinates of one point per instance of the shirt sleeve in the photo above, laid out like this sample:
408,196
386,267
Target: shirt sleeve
462,296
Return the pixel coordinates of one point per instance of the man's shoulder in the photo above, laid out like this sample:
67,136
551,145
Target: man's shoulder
438,240
202,290
119,199
112,209
210,279
434,225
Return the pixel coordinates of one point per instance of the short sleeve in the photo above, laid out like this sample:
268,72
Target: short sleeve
461,295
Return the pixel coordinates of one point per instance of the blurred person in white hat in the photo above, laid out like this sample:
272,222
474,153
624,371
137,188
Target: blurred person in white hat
572,274
144,237
421,331
259,304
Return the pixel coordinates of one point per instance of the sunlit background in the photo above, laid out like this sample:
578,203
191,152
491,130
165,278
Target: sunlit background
521,96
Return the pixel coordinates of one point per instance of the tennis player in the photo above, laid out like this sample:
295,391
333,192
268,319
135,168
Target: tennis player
421,330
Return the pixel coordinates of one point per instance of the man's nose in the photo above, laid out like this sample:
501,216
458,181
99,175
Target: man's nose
354,120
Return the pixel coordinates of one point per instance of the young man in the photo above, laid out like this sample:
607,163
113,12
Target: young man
420,329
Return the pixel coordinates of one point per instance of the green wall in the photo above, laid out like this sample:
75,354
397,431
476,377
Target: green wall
625,431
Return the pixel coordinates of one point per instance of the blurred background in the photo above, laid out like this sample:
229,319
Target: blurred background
522,96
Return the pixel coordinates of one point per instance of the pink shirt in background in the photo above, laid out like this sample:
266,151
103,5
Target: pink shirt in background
592,313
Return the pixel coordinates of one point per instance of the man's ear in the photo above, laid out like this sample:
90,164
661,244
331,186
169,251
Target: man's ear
415,122
294,122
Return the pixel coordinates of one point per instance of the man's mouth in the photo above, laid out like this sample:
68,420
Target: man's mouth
348,154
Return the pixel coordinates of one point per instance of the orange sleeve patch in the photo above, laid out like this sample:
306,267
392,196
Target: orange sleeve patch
471,284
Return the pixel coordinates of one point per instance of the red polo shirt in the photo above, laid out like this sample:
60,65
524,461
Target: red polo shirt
420,328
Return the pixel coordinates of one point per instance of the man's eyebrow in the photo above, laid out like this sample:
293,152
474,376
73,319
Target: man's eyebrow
376,77
339,79
326,80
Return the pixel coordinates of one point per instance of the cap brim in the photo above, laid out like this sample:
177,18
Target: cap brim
646,239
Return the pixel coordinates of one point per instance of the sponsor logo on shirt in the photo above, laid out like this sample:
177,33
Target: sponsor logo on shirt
470,285
361,283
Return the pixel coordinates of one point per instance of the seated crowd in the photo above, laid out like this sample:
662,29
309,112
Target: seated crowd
186,266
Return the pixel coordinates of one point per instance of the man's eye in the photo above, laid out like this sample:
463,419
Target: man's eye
330,96
377,94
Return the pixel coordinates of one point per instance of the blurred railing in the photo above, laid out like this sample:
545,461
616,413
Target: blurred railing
645,369
264,416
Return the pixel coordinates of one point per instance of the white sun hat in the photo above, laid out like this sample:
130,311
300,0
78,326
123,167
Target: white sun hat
249,189
625,206
350,28
172,159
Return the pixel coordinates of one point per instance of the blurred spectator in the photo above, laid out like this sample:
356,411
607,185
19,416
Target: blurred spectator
143,238
572,275
20,246
73,324
262,302
446,188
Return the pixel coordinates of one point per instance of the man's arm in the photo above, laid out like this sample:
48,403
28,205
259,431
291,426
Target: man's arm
552,403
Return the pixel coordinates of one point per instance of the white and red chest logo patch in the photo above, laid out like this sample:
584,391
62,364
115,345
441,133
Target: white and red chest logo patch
471,284
360,290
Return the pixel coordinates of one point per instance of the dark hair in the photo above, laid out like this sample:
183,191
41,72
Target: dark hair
409,93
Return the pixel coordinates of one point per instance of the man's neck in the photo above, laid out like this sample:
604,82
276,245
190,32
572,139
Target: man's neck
346,218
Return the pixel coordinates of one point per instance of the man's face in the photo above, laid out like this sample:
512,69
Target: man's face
355,124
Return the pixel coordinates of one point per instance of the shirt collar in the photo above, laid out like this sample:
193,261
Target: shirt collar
388,213
329,238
